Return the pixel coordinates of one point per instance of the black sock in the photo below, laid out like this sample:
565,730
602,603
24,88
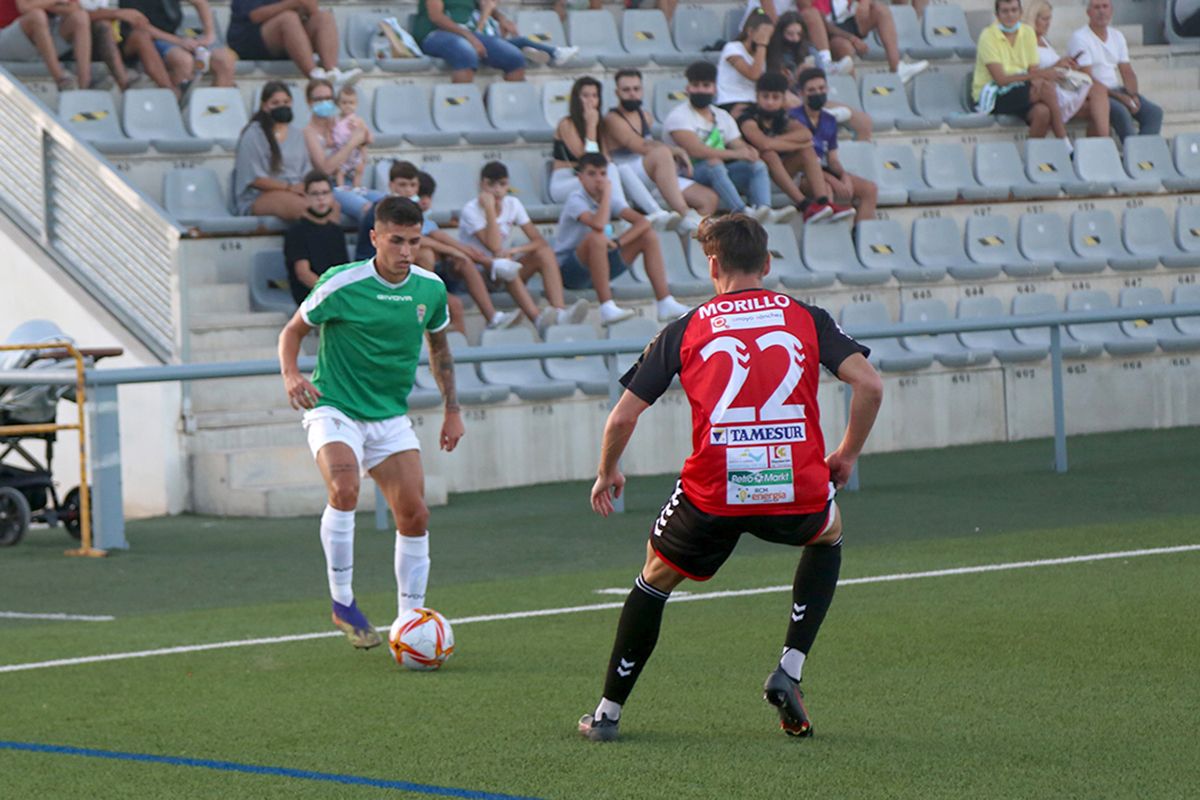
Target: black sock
812,592
823,200
637,633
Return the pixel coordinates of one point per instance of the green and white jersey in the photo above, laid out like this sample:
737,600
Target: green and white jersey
371,333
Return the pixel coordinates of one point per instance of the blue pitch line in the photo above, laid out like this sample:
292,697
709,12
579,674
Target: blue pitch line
254,769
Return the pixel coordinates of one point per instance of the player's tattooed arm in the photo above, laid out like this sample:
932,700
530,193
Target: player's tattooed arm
441,363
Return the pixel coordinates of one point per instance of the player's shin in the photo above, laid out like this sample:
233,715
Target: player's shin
337,539
637,633
412,570
812,592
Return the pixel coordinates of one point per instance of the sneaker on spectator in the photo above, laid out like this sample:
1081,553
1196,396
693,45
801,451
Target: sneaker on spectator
548,317
782,214
505,269
910,69
319,74
841,114
670,309
663,220
817,212
575,313
340,78
504,319
564,54
760,213
535,56
841,212
690,223
611,313
67,83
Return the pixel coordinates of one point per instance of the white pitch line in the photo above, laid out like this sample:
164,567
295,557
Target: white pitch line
551,612
57,617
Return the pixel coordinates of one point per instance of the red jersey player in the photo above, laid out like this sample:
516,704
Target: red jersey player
748,361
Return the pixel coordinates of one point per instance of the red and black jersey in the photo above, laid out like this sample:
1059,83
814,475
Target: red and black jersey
748,363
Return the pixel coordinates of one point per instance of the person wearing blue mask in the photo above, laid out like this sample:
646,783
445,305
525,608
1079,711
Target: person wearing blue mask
340,157
1008,78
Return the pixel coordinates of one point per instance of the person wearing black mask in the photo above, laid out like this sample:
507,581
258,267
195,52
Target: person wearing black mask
843,186
272,160
643,162
315,242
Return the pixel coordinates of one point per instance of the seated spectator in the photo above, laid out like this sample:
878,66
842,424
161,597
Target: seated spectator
315,242
562,6
487,20
843,187
272,160
589,252
1102,53
440,27
173,60
341,157
33,29
1088,102
849,23
1008,79
486,223
786,147
643,162
721,158
268,30
813,26
104,18
742,62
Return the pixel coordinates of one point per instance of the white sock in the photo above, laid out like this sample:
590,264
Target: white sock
412,570
665,303
607,708
610,306
824,59
337,538
792,662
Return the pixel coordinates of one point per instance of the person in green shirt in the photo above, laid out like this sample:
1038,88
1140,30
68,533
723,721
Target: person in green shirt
443,30
373,316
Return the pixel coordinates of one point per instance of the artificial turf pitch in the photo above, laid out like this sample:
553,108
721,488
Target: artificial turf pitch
1073,680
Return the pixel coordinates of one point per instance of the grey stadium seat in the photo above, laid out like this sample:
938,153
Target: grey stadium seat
897,169
1161,331
937,243
193,196
1186,150
459,107
1094,234
945,347
545,27
1043,238
517,106
1147,232
695,28
938,95
860,159
944,166
946,26
458,184
154,114
682,280
828,249
990,240
525,377
641,329
844,89
1108,334
406,109
556,97
910,40
883,245
594,32
269,283
786,263
668,93
217,113
470,389
1097,161
1048,162
887,354
1187,296
632,284
1039,304
366,101
586,372
1187,228
92,116
645,32
884,98
1149,157
525,187
1001,342
362,30
999,165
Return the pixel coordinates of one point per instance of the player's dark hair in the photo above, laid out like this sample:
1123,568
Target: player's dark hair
701,72
494,171
809,75
737,241
591,160
627,72
316,176
426,185
403,169
393,210
771,82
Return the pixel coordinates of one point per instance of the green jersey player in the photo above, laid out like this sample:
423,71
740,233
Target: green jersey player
373,315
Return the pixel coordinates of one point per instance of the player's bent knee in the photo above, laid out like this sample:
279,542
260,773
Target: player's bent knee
413,520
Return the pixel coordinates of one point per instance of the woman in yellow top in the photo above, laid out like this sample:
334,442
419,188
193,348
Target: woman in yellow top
1008,79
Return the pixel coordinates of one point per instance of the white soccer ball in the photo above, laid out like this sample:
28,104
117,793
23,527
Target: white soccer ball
421,639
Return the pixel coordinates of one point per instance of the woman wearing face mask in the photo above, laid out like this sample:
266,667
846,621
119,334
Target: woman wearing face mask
271,160
582,131
327,157
1090,101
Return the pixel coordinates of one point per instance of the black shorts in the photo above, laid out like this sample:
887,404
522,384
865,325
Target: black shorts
1015,101
695,544
850,26
246,40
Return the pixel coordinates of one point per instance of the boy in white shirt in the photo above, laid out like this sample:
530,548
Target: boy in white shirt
1102,52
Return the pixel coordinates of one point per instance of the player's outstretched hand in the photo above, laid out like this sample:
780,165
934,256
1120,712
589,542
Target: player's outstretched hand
840,467
452,430
301,394
604,490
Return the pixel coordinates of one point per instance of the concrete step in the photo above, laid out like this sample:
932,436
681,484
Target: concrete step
239,394
225,430
226,331
213,355
219,298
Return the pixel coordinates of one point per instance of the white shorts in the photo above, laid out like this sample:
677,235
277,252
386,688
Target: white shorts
372,442
635,161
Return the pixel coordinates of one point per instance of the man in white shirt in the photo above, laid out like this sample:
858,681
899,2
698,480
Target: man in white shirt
1102,52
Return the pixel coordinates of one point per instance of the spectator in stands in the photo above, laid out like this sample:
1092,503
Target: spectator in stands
173,59
849,23
272,160
335,155
591,254
721,158
103,17
267,30
843,186
789,52
562,6
486,223
441,28
786,147
487,20
813,28
742,62
1008,79
643,162
1102,53
315,242
48,29
1088,101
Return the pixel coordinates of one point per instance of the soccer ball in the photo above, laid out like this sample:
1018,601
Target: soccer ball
421,639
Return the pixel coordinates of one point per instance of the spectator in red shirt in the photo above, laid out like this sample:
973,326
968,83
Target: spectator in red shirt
46,29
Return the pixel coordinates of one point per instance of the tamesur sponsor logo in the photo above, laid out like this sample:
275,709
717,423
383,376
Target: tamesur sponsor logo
742,305
756,434
395,298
